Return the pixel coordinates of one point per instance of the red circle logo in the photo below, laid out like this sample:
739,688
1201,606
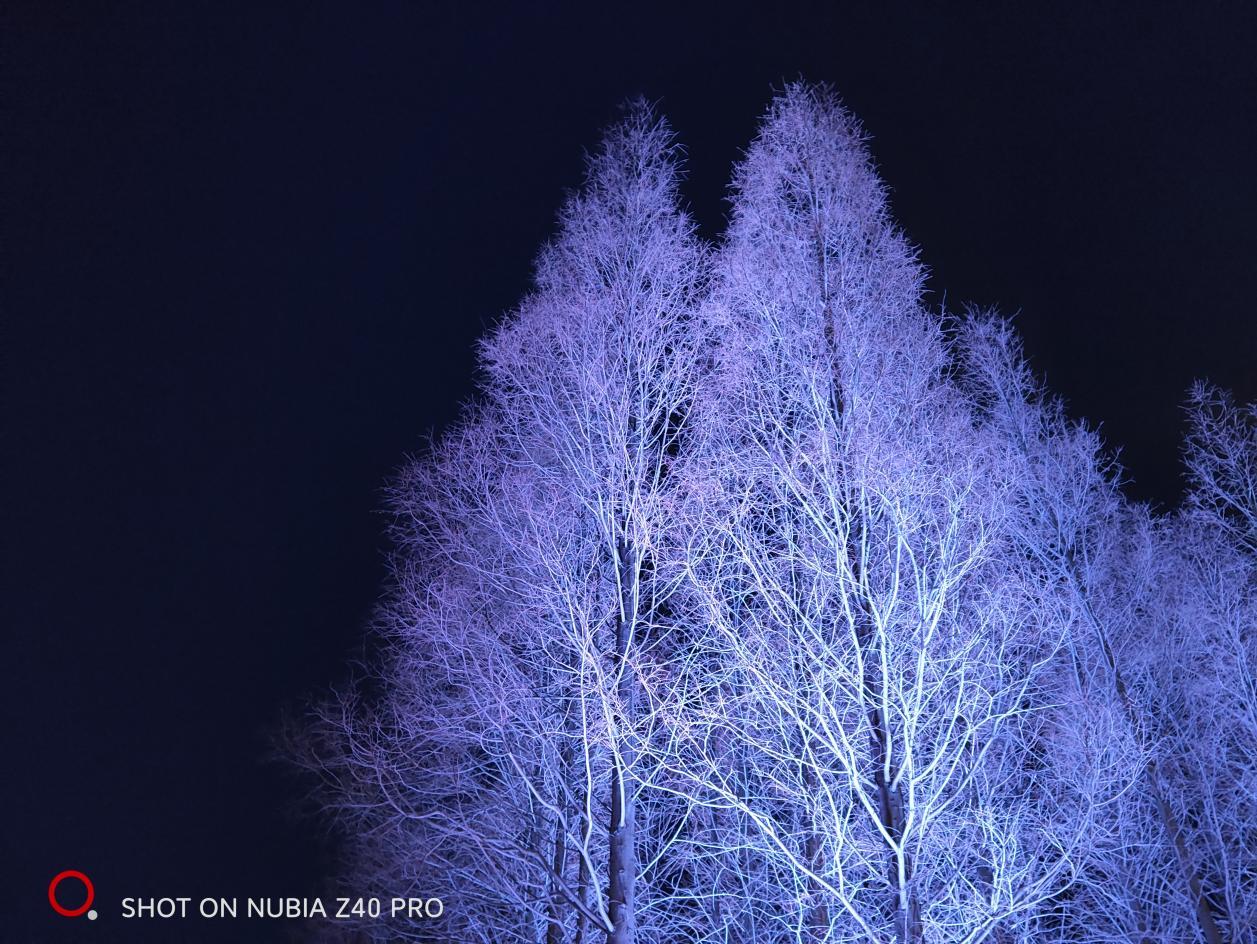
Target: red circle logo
57,906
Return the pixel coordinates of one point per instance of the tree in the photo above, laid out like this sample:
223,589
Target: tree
1201,695
1197,684
1105,556
595,374
1221,460
864,683
753,601
526,597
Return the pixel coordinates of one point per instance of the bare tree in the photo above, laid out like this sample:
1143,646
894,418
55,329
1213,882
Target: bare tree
1201,695
755,602
865,680
1102,552
500,762
1196,683
1221,458
595,374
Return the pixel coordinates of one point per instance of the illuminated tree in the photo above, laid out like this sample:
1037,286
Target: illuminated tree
1114,562
753,601
867,684
527,594
1221,458
1197,682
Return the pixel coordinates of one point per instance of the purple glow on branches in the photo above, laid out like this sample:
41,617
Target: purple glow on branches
756,602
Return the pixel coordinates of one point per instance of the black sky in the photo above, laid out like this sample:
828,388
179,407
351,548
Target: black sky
248,249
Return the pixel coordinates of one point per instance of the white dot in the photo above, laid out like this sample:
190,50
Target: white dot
91,915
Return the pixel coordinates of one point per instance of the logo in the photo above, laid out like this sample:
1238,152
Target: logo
72,912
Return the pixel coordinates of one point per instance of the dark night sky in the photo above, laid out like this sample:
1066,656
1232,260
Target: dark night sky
247,254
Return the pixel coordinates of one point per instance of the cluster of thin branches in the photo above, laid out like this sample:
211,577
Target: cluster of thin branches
753,601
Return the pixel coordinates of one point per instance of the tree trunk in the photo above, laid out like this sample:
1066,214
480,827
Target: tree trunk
1204,913
890,801
903,906
554,924
582,889
622,852
818,916
623,862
